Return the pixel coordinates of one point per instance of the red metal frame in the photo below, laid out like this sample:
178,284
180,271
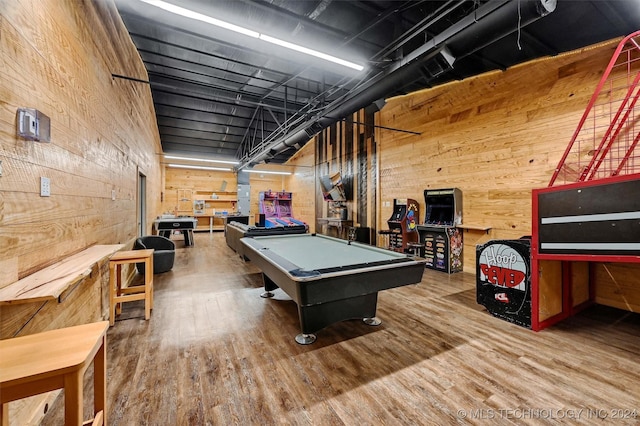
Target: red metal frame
601,151
605,139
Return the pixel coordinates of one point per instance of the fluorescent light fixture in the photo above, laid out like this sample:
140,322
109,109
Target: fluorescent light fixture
218,23
266,172
200,17
172,157
311,52
186,166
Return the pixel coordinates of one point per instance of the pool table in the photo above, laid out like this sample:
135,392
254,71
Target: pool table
330,279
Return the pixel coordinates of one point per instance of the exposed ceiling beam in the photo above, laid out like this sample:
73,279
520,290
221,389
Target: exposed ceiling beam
489,15
198,91
285,14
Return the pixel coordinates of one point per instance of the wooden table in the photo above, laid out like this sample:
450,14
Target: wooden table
340,225
119,294
56,359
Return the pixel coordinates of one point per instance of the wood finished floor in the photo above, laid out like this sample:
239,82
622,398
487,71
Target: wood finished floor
215,353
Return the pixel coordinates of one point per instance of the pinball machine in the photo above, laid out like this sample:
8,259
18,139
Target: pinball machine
402,224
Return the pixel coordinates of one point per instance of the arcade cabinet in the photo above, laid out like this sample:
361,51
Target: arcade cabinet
503,279
440,239
275,210
402,224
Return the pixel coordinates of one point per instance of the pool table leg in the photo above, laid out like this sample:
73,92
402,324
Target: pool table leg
372,321
305,339
269,286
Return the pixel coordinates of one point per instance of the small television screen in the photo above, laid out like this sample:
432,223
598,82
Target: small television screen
332,188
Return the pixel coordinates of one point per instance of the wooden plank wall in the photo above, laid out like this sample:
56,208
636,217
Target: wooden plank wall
298,182
58,57
301,183
496,137
349,147
267,182
201,182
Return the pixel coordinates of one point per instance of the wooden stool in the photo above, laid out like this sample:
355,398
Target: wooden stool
386,237
56,359
118,294
391,238
415,248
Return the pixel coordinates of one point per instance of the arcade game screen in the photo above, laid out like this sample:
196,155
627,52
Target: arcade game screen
439,214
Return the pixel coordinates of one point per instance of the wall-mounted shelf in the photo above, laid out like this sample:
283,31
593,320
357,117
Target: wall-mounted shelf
50,282
222,195
474,228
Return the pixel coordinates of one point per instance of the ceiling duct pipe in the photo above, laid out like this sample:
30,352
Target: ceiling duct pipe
492,21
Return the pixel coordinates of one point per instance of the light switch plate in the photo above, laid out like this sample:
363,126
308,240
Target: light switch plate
45,186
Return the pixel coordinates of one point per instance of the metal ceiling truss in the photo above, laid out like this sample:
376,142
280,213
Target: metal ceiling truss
251,148
432,58
219,94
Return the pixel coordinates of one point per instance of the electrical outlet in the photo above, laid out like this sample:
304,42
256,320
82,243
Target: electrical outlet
45,186
113,194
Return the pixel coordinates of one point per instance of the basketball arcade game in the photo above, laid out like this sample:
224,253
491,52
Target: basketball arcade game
575,225
275,210
590,210
275,218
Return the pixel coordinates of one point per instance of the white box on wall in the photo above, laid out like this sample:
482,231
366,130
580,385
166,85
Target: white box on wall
33,125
